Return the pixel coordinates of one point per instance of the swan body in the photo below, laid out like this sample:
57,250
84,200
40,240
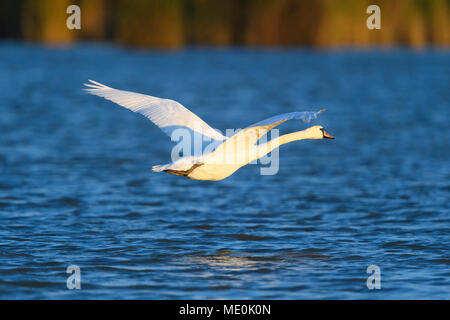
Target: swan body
230,154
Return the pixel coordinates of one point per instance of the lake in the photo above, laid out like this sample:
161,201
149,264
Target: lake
76,186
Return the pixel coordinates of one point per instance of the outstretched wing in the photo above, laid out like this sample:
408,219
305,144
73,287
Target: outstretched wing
254,132
168,115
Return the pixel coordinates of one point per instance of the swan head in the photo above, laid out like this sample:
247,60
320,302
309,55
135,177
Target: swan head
318,132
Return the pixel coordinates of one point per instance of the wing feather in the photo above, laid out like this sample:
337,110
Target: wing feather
255,131
168,115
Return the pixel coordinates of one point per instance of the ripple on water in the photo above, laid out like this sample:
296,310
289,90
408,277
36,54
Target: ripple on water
83,192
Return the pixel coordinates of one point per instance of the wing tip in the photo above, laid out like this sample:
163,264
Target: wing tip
94,85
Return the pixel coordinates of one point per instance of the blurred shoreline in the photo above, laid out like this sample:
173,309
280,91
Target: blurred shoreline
5,42
175,24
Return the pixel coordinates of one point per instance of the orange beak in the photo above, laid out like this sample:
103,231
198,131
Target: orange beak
326,135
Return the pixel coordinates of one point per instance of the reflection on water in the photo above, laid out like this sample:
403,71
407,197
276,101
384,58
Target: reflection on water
76,185
225,261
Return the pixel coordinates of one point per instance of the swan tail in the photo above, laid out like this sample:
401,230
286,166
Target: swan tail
160,167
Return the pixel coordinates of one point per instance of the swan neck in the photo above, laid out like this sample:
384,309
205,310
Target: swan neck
265,148
294,136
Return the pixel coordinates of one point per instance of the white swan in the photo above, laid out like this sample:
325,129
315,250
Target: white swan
230,154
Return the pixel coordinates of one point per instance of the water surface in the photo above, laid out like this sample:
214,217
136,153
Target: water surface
76,185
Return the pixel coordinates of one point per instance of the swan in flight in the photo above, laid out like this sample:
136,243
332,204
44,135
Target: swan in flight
230,153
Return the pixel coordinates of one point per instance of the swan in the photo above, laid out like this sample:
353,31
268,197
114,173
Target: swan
230,154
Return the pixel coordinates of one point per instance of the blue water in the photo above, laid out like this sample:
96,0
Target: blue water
76,186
